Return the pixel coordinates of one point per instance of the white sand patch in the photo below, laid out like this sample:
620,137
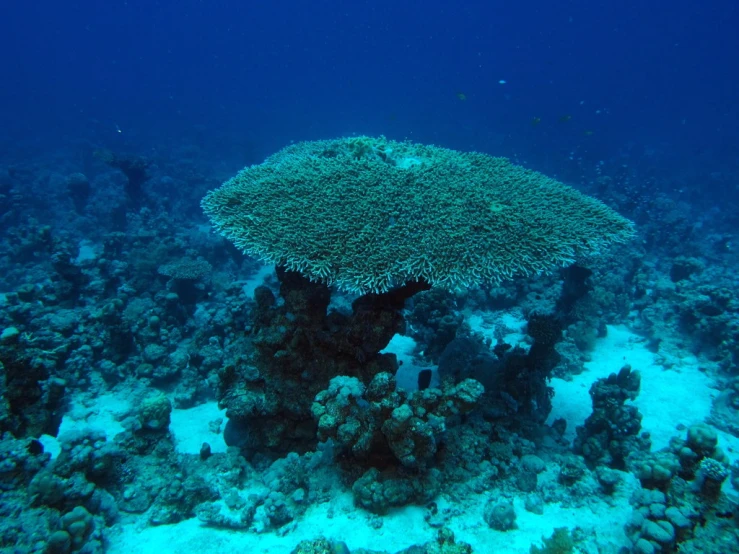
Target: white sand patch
51,445
509,325
339,520
668,397
407,374
192,427
730,446
103,414
257,280
88,252
605,520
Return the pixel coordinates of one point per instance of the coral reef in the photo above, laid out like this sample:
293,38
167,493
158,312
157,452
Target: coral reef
151,375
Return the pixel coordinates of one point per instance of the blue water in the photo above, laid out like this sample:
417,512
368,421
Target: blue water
261,74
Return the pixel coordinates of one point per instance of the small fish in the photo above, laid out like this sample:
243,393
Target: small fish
462,96
565,118
587,133
502,82
535,121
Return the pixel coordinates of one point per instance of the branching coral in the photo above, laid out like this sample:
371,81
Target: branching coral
369,214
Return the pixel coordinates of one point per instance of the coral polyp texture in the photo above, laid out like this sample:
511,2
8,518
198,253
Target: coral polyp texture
368,214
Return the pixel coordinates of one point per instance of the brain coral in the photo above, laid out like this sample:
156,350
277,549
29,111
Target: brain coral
367,214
